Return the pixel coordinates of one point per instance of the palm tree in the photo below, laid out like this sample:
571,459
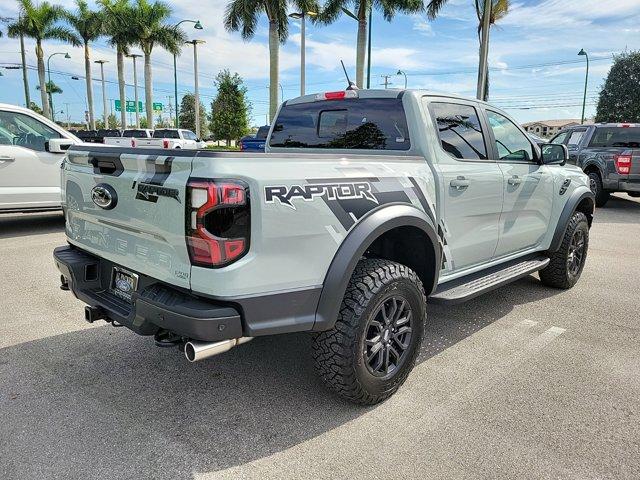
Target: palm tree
16,30
40,22
118,26
499,8
88,25
334,8
243,16
149,20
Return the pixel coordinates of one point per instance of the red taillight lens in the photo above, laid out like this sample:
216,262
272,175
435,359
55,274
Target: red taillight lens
165,144
133,142
623,164
218,226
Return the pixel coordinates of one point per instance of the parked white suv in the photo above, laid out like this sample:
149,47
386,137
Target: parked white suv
31,150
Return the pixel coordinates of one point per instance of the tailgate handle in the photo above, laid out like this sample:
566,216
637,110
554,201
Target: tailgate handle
106,165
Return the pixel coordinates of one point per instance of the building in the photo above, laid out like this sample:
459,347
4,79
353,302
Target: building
548,128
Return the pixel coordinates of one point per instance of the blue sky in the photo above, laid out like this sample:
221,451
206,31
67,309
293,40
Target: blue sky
535,71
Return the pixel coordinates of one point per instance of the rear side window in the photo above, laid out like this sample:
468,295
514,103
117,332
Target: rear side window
369,123
459,130
616,137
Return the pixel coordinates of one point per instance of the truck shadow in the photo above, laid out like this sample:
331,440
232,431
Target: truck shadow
26,224
619,209
106,400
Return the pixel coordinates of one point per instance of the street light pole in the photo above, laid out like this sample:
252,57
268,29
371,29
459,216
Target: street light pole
586,80
195,82
400,72
104,93
48,86
369,46
198,26
302,16
135,86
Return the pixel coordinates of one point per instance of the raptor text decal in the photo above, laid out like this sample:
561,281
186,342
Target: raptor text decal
329,191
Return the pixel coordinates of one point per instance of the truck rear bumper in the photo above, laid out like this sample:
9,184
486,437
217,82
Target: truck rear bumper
630,184
154,306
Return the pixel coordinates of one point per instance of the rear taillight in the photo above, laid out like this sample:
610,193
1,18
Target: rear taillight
241,146
133,142
623,164
165,144
218,221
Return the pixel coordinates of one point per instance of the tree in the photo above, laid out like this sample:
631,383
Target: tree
122,34
243,16
88,25
149,21
16,29
230,109
51,87
334,8
34,106
188,114
619,99
41,23
499,9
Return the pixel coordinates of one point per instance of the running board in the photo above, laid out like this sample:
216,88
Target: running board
470,286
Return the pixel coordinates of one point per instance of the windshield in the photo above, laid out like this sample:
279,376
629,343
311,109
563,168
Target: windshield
371,123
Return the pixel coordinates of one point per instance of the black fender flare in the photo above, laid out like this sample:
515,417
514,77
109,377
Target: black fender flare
577,196
357,241
597,163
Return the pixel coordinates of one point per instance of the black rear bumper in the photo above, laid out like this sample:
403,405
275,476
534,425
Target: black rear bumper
153,307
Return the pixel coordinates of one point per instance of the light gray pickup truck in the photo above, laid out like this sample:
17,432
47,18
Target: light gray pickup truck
366,206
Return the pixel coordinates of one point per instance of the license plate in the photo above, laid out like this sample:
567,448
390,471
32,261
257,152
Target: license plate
123,283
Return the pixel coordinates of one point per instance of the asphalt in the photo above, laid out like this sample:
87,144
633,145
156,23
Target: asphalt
525,382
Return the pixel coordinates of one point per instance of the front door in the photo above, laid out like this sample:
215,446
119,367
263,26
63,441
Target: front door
29,174
528,188
471,186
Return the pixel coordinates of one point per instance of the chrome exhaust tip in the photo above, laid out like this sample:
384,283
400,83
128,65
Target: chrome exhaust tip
195,350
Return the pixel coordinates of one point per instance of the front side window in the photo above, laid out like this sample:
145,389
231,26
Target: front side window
25,131
560,138
511,142
459,130
189,135
355,124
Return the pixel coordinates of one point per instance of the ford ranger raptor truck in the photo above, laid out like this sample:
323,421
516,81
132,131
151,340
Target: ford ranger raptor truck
367,205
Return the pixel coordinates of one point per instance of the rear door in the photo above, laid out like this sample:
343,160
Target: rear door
471,186
144,227
528,187
29,174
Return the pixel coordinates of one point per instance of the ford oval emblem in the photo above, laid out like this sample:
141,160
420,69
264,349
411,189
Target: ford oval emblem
104,196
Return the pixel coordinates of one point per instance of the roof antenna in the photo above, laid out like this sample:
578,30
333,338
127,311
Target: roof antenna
352,86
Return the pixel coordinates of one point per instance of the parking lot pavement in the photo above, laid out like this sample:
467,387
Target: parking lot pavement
525,382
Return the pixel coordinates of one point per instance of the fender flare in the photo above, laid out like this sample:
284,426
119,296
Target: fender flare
593,162
578,195
357,241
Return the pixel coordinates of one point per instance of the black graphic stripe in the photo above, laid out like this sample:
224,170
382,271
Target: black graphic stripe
422,199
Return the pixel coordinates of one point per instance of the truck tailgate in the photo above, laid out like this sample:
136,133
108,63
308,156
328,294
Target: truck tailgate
144,226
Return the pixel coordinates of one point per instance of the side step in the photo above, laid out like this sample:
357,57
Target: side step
470,286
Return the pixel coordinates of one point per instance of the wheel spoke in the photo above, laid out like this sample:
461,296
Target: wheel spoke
385,353
372,341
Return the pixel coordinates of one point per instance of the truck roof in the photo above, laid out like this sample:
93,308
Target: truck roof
379,93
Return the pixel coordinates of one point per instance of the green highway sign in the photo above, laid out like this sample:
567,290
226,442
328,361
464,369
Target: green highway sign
130,106
158,107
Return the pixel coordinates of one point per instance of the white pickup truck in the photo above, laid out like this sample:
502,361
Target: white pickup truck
31,150
128,138
170,138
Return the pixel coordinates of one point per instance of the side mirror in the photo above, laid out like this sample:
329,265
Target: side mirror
554,154
58,145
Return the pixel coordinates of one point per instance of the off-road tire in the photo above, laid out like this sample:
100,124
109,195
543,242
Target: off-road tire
339,353
558,273
595,183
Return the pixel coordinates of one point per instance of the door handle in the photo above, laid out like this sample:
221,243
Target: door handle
459,183
4,158
515,180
